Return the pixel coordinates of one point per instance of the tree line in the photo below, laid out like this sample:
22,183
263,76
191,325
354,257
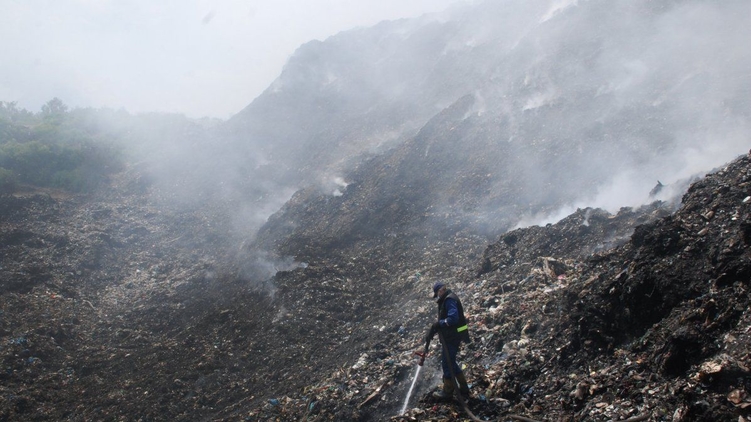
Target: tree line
55,147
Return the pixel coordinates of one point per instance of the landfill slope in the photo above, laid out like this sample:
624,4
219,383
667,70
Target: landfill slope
114,308
596,317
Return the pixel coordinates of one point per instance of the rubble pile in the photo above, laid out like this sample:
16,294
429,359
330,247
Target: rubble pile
82,282
580,320
112,308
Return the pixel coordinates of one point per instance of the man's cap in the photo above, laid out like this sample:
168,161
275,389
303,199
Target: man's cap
436,287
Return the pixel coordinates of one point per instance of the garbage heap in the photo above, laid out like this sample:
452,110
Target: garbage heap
643,315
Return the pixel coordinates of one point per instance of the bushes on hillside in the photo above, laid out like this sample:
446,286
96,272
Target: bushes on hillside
52,149
8,181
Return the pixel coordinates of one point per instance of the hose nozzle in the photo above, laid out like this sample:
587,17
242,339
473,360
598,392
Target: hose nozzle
422,357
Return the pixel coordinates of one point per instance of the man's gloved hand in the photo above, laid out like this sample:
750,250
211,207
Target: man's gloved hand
436,325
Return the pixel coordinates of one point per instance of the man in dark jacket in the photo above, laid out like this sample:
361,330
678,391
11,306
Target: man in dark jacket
452,326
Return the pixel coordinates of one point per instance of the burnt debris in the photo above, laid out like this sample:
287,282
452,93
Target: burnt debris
114,309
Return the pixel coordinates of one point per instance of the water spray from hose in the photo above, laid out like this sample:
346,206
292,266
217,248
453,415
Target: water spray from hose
409,393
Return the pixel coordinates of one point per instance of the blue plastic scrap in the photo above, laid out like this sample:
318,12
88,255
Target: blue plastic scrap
20,341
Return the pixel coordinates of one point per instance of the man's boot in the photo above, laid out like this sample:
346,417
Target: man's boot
446,392
463,387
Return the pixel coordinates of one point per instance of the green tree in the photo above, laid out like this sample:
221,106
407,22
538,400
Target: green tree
54,108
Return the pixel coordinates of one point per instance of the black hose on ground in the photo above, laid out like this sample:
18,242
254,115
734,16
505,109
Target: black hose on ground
457,390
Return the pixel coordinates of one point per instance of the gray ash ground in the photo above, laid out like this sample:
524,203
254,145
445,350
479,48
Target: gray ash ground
115,309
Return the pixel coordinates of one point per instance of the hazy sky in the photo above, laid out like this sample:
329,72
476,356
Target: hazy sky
197,57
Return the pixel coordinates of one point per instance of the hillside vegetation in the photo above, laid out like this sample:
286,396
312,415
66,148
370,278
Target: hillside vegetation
54,148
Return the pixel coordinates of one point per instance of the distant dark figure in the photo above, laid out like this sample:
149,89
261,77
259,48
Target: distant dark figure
452,326
655,190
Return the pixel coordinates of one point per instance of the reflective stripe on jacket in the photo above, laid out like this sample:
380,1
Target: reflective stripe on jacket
450,309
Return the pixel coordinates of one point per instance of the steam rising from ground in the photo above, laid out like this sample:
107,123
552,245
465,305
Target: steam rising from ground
581,103
340,186
607,98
